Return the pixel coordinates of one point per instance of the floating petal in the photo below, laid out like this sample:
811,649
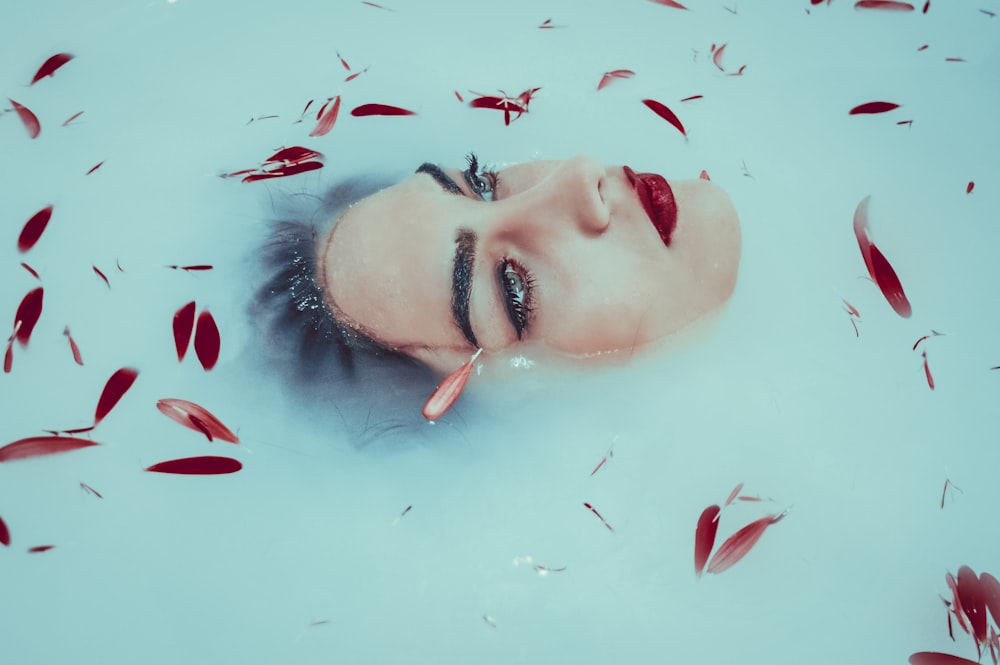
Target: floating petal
198,466
196,417
36,446
740,543
704,537
33,229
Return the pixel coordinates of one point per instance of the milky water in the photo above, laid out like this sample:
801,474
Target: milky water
423,548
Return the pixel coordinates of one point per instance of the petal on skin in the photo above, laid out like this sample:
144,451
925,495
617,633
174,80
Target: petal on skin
447,393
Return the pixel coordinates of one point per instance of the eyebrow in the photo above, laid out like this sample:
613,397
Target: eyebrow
442,178
461,283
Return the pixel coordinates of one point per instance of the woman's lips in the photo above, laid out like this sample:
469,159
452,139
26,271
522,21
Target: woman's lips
657,200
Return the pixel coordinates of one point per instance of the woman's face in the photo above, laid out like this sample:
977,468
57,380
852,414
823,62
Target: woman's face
567,257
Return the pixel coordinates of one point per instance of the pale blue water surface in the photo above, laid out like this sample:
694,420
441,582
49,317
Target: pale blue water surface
306,555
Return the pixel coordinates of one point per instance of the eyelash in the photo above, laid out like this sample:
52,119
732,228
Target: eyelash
519,309
481,181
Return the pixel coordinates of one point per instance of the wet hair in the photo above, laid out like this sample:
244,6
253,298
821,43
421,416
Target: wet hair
373,388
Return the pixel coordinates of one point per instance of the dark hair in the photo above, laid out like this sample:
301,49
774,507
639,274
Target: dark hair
320,357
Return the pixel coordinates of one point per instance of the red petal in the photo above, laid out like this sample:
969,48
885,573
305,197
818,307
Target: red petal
27,313
873,107
73,347
704,175
669,3
195,417
33,229
104,278
28,118
183,326
887,280
293,155
733,494
327,119
990,589
927,373
665,113
740,543
379,109
973,602
114,389
449,390
968,188
878,266
40,548
34,273
291,169
498,103
8,358
861,233
198,466
36,446
207,341
4,533
50,66
883,4
717,57
704,537
935,658
614,74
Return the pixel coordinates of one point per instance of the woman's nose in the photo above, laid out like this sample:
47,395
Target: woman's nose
576,190
566,199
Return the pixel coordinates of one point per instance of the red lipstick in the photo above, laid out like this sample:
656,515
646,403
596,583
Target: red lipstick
657,200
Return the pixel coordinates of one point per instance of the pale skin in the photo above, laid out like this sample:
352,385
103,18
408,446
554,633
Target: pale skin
602,284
